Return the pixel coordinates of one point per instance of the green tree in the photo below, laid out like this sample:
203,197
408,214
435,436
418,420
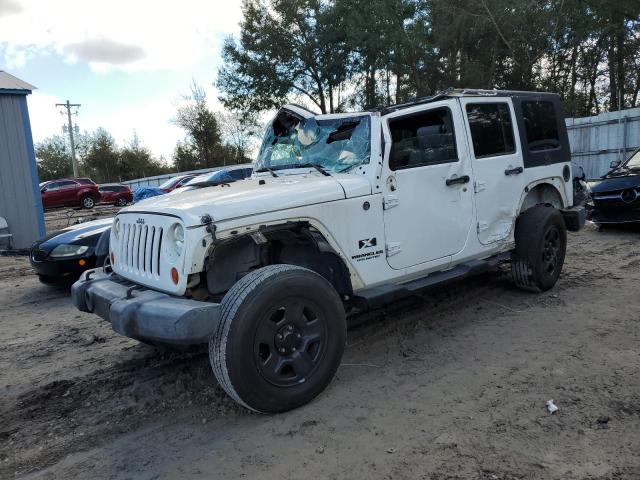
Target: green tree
136,161
287,48
53,158
203,137
101,157
239,132
344,54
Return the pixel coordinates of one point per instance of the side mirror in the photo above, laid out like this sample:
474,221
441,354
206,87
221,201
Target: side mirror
615,164
578,172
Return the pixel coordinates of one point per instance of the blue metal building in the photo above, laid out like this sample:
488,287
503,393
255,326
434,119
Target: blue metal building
20,201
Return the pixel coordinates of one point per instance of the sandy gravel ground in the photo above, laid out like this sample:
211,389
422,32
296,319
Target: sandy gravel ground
449,385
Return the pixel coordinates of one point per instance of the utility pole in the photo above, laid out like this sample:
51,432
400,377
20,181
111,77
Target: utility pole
74,161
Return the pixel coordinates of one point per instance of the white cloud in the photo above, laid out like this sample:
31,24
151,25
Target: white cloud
46,119
152,34
126,35
9,7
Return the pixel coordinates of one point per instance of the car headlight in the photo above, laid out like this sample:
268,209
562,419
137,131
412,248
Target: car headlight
116,228
62,251
177,232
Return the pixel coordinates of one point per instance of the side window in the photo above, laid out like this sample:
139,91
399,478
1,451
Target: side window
541,125
426,138
66,184
53,186
491,129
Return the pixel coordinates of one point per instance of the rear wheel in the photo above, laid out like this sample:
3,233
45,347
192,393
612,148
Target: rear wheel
541,244
121,202
280,340
87,202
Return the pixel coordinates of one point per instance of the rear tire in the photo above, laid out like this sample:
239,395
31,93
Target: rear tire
541,244
87,202
280,339
121,202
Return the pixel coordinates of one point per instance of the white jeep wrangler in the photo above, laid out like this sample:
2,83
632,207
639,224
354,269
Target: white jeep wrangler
343,212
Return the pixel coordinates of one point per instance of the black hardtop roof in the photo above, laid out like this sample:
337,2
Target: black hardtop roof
465,92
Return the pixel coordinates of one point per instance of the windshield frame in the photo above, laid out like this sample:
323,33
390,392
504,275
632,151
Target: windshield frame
348,155
630,159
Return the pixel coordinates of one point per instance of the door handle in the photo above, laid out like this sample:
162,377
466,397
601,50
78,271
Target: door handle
514,171
457,180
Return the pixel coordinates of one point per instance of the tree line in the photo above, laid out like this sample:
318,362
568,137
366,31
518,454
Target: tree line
211,139
337,55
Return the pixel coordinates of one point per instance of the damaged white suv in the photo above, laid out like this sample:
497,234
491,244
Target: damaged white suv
344,212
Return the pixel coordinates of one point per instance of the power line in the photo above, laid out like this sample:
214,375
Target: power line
74,161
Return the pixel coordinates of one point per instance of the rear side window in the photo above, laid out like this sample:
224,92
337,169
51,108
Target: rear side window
66,184
426,138
491,129
84,181
541,125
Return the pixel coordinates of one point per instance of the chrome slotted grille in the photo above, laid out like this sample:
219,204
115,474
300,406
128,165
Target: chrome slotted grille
140,248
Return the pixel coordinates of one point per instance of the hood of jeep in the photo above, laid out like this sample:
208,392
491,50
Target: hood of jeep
254,196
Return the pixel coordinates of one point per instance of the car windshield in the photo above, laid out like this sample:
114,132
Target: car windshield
337,144
634,162
170,183
219,176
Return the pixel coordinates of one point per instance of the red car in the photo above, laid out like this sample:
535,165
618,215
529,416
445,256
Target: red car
175,182
118,195
69,192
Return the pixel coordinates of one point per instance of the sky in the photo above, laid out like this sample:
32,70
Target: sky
127,62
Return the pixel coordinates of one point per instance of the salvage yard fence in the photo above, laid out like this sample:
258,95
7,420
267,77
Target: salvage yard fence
160,179
597,141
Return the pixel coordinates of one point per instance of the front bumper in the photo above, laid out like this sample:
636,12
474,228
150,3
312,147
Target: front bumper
61,269
142,313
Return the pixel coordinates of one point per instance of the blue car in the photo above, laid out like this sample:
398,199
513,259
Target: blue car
226,175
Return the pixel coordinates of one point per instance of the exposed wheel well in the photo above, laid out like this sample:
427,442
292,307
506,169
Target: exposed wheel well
293,244
542,194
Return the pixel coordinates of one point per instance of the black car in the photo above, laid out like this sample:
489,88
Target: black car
61,257
615,198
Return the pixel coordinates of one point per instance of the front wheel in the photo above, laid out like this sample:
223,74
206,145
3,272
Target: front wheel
541,244
280,339
88,202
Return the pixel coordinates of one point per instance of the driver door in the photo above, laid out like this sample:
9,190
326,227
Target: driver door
428,192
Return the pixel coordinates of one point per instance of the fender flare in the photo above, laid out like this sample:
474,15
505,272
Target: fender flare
549,191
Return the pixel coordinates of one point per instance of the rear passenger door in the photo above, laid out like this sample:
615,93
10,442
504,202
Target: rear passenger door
497,165
427,185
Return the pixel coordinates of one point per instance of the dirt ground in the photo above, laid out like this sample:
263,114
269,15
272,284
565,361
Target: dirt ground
449,385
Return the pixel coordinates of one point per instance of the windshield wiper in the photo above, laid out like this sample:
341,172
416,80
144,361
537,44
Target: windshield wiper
267,169
317,166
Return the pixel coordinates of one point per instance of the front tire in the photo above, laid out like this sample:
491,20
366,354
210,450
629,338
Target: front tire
87,202
280,339
541,245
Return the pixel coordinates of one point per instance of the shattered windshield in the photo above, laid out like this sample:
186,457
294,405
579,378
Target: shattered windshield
336,145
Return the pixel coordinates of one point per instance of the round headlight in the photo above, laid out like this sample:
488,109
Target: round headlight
178,237
116,227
